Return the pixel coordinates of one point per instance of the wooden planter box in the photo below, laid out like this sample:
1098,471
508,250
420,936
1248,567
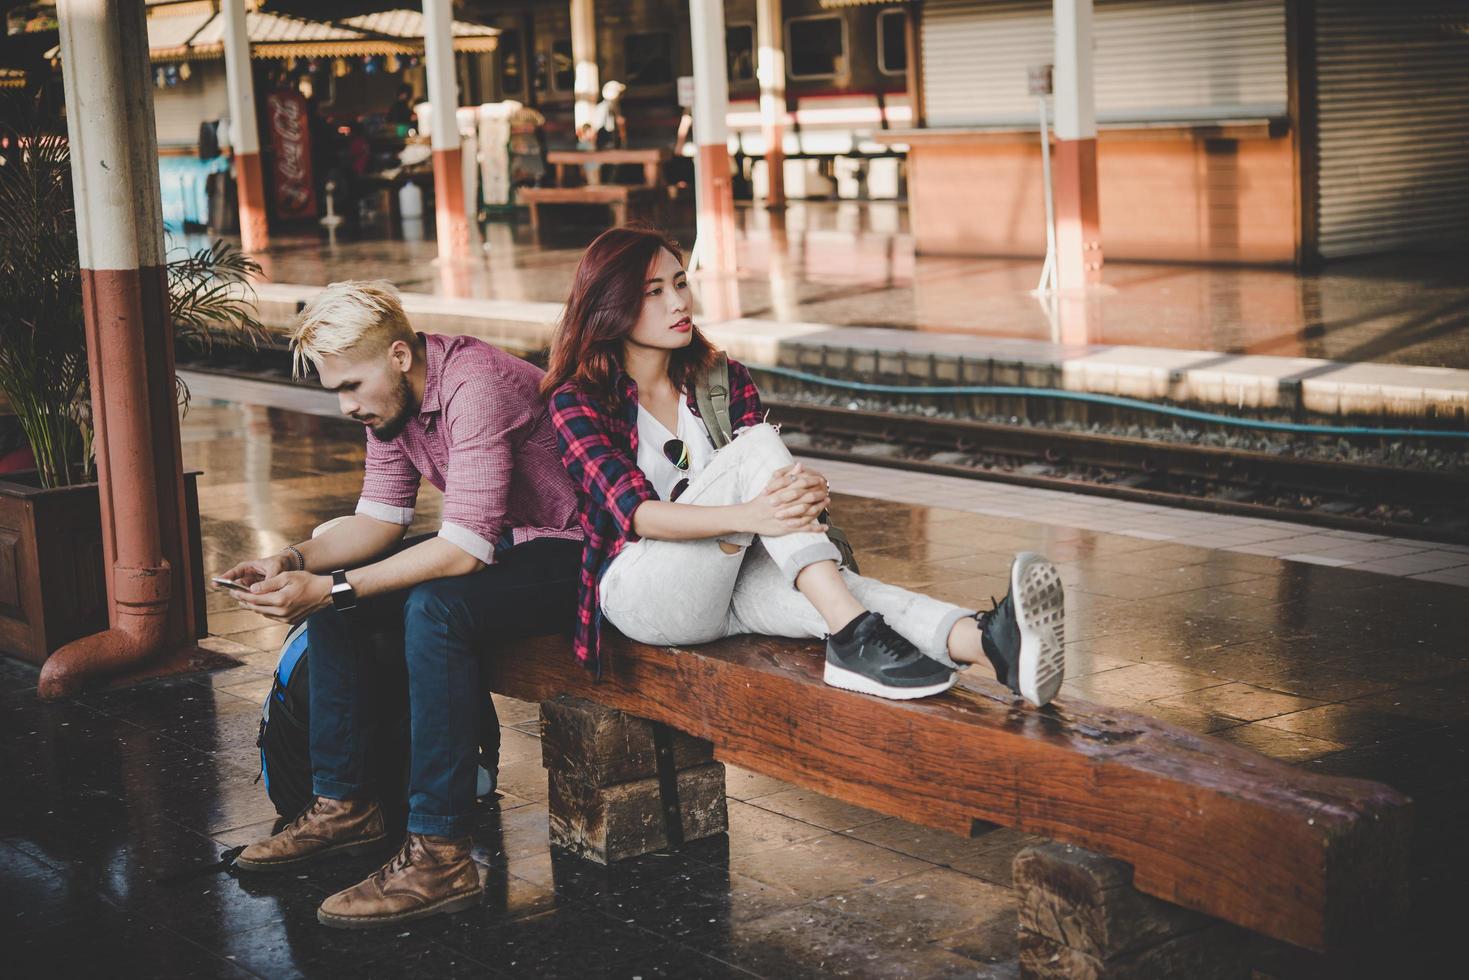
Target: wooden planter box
53,584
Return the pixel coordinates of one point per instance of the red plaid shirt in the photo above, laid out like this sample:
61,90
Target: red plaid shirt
600,450
482,437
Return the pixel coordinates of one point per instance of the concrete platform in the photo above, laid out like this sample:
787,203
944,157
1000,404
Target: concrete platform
1200,378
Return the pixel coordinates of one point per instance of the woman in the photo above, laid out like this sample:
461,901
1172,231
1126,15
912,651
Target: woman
686,544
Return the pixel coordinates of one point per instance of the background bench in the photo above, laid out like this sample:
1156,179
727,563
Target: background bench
623,199
1312,860
644,201
652,161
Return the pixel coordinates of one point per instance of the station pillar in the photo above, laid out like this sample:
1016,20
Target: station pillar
119,215
713,188
770,67
587,82
450,223
244,130
1078,220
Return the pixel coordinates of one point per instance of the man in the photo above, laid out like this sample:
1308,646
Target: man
609,125
467,417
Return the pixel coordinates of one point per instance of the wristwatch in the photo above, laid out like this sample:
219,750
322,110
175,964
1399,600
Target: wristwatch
344,597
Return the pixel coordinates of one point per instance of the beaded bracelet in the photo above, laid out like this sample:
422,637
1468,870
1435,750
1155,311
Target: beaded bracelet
300,559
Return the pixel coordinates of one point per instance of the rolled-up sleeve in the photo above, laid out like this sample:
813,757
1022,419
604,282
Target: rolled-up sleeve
482,432
602,471
389,483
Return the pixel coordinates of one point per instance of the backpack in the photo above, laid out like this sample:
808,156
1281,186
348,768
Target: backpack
712,396
284,739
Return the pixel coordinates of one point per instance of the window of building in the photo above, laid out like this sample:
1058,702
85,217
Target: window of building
739,47
563,67
649,59
892,42
816,47
512,72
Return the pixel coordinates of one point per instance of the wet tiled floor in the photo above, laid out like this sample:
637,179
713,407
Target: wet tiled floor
853,264
1342,671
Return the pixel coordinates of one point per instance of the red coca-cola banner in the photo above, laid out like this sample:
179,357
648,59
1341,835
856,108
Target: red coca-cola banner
290,137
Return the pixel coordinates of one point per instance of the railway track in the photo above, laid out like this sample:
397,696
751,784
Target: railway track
1327,493
1400,501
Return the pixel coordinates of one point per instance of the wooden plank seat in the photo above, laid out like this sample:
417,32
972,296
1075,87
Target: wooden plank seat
652,161
623,199
1205,824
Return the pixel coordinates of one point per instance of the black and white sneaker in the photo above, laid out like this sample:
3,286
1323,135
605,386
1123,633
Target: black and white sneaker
869,656
1024,634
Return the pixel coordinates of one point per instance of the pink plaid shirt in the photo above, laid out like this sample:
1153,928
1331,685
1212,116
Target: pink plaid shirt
482,436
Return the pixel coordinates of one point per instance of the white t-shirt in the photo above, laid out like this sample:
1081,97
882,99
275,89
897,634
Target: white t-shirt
655,464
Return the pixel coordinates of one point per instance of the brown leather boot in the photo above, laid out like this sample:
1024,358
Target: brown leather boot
325,827
427,876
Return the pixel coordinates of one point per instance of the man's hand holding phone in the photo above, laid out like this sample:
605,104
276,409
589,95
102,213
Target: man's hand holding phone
247,573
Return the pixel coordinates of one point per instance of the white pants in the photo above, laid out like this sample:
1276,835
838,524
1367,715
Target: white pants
677,592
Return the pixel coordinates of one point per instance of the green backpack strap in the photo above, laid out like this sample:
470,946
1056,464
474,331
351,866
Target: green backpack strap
712,395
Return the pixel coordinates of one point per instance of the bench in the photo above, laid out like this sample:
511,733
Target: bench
652,161
1205,825
623,199
645,201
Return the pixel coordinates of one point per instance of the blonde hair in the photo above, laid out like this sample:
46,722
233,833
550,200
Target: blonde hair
360,316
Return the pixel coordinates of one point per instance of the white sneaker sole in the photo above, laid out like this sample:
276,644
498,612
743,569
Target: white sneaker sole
851,681
1040,612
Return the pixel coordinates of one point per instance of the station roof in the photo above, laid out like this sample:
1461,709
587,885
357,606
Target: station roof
179,31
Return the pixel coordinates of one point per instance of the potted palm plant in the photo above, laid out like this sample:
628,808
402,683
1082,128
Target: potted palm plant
52,580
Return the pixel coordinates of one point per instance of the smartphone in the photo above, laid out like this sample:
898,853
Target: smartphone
226,583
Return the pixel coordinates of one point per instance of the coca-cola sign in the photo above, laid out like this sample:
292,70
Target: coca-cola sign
290,138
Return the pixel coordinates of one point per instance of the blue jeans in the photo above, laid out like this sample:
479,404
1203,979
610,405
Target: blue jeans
447,624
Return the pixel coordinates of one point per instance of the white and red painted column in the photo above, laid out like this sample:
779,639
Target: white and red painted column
244,130
713,189
451,225
587,83
1078,221
770,68
114,163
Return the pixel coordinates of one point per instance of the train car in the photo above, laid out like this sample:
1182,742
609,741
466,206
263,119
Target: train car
846,70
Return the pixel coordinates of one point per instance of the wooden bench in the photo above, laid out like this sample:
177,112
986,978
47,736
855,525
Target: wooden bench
1204,824
652,161
644,201
623,199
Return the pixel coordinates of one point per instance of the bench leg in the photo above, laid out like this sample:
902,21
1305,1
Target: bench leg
1081,917
621,786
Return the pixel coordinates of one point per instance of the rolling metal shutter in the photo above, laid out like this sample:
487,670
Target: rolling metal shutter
1156,60
178,111
1392,124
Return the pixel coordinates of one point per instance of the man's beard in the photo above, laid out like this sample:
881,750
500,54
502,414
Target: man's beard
403,409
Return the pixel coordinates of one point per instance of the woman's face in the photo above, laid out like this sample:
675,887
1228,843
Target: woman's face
665,322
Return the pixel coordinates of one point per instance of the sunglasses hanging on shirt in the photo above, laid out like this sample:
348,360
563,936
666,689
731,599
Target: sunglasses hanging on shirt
678,455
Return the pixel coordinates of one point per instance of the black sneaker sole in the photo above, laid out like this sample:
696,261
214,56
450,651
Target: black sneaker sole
454,903
336,850
1040,614
849,680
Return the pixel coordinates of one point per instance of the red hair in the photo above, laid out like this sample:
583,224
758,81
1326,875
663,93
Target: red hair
605,304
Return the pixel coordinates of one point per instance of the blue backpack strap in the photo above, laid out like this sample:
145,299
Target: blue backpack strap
291,653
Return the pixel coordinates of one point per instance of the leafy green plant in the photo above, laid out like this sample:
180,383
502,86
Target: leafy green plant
43,349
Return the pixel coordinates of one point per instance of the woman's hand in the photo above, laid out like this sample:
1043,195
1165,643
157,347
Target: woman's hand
790,503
